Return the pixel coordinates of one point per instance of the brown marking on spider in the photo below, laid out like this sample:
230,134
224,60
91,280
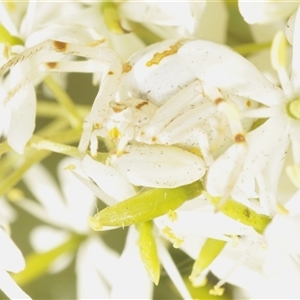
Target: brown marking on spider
239,138
218,101
157,57
110,73
140,105
51,65
117,107
126,67
60,46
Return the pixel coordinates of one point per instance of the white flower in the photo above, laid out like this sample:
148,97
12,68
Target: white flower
41,21
265,148
97,266
266,267
11,258
112,187
166,20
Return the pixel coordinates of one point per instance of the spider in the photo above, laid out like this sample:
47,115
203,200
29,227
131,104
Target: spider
158,103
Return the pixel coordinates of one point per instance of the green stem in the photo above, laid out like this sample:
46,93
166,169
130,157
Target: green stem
148,250
37,264
210,250
66,102
241,213
4,147
47,109
247,49
31,158
111,18
42,144
145,206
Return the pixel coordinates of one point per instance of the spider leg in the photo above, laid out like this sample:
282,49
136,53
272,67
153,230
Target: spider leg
111,74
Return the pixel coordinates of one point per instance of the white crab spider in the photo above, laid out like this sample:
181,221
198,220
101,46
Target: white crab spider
158,97
153,78
161,100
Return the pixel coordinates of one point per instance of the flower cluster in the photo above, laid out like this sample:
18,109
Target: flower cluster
191,141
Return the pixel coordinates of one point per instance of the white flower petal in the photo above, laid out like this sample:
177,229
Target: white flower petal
264,33
42,14
240,263
283,232
10,288
213,64
202,222
108,179
159,166
45,238
296,54
46,192
36,210
60,263
212,20
78,198
11,258
221,182
293,205
8,214
257,11
95,189
160,13
96,265
263,152
138,285
290,27
22,123
126,44
73,33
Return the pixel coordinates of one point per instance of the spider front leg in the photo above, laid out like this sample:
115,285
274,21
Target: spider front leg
110,65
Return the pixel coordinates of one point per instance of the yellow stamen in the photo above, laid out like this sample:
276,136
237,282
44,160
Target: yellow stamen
293,109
